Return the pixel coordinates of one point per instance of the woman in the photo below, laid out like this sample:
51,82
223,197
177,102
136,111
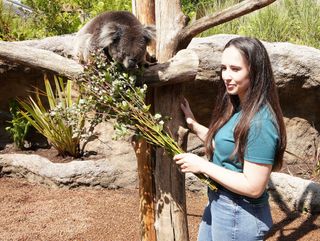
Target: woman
245,142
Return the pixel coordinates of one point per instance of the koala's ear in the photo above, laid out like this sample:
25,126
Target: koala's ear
110,33
149,33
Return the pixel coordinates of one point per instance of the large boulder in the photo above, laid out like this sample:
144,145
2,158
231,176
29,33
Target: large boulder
102,173
294,193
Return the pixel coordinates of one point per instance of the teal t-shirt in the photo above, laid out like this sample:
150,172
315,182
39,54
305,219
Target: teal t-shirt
261,147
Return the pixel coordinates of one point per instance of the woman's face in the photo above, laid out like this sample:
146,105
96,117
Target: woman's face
235,72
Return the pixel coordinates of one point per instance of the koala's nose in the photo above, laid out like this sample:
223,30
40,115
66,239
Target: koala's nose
132,63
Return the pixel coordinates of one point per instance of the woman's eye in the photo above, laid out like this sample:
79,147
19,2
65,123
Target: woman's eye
235,69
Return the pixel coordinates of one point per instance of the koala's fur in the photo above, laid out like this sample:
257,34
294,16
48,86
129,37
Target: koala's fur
119,33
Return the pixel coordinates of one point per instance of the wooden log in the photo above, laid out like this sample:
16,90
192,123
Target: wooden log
62,45
39,58
183,67
176,70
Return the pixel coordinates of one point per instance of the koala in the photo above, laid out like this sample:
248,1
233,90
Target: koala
119,34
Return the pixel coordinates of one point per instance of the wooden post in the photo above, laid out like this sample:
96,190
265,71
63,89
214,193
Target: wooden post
146,189
170,213
145,12
171,219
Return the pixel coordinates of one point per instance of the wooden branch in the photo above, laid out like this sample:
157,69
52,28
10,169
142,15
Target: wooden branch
176,70
62,45
182,67
39,58
209,21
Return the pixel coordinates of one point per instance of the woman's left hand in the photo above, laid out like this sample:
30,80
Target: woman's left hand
189,162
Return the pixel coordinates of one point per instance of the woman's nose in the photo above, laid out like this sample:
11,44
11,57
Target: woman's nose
226,74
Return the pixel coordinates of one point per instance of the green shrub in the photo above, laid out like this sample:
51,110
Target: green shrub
55,17
283,21
19,125
64,16
63,123
13,27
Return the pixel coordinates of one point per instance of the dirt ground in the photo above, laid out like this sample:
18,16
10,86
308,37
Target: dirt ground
35,212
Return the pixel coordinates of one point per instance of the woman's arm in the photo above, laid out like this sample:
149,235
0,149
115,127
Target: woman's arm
250,183
200,130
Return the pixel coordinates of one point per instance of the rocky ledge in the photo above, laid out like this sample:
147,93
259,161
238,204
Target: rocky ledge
292,193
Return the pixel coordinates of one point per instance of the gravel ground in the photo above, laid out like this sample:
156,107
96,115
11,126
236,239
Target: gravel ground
35,212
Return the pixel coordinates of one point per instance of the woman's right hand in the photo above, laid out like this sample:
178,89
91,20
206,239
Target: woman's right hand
185,107
198,129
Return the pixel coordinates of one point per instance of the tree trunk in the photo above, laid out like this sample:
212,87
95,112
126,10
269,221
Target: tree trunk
171,219
146,189
144,10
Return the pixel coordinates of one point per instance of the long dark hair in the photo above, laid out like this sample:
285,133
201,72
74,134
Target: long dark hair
262,91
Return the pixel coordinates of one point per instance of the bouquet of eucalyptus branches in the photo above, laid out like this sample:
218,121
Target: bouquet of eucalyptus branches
117,94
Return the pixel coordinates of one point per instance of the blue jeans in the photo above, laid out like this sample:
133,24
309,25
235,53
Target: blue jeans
230,217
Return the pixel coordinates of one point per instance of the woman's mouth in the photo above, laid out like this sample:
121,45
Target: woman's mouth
230,86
